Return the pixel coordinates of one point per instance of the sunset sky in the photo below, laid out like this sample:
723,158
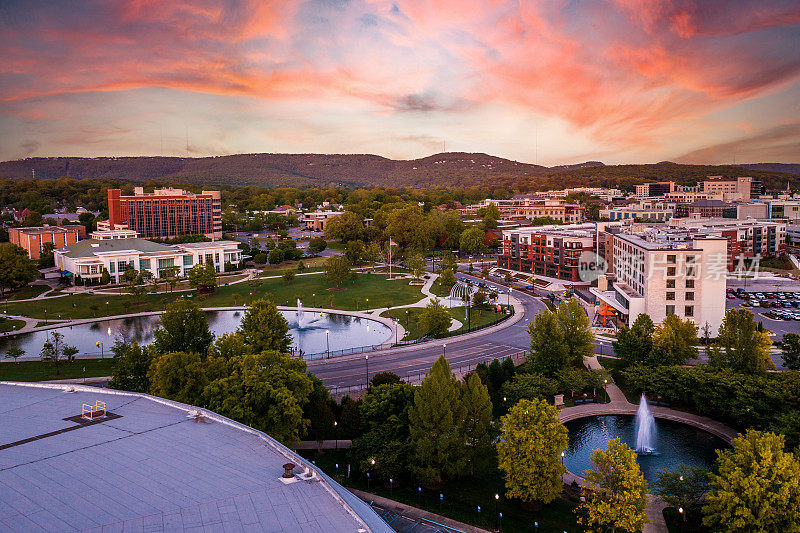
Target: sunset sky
552,82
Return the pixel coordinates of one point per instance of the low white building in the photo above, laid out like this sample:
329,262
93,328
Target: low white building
659,277
89,258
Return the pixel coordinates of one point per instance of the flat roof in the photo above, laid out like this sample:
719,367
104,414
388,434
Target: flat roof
91,247
38,230
150,466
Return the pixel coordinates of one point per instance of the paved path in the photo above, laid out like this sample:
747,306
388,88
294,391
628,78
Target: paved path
619,405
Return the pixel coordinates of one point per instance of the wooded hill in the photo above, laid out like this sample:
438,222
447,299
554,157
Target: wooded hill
447,170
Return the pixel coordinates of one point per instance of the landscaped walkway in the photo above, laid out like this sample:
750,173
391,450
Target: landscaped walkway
619,405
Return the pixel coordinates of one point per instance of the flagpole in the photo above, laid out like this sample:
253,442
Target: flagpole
390,259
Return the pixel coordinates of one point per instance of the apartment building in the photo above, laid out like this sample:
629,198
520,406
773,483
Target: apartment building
528,207
547,251
686,197
637,213
702,208
87,259
33,239
658,276
166,213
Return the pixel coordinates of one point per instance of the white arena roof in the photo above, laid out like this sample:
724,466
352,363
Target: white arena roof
150,465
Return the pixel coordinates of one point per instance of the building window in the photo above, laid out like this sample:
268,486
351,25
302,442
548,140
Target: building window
689,311
670,296
144,264
671,259
670,271
690,296
690,284
690,271
670,283
188,260
670,310
111,271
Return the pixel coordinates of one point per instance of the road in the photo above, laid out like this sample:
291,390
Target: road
466,352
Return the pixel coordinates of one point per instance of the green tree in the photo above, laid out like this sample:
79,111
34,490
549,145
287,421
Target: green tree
437,418
617,498
276,256
353,251
288,275
528,452
264,328
337,270
14,352
130,274
384,378
684,487
485,272
480,300
178,376
740,345
16,270
345,227
371,252
790,346
529,386
55,351
477,419
578,336
228,346
634,344
756,487
203,276
129,367
184,327
317,245
46,257
417,265
448,262
170,275
674,341
435,319
548,350
472,241
447,279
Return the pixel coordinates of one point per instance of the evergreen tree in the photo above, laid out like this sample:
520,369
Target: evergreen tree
437,421
264,327
532,439
634,344
478,419
790,346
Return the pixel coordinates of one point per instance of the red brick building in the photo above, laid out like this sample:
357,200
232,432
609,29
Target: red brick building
33,239
166,213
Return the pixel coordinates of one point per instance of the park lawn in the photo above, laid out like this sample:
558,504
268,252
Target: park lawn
379,291
10,324
410,321
181,285
461,497
43,371
309,262
28,291
440,290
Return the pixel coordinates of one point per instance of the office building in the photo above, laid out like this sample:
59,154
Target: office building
33,239
87,259
528,207
318,220
637,213
740,189
649,190
166,213
702,208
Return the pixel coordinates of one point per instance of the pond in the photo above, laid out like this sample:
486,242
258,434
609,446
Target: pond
675,443
308,330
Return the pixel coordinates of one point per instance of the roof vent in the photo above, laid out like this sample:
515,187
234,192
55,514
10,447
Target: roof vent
198,416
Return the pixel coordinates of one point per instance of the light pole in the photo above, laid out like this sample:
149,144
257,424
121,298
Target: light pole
444,350
366,362
366,305
336,435
315,299
396,327
562,464
328,341
683,516
107,311
406,317
497,509
605,389
100,345
509,296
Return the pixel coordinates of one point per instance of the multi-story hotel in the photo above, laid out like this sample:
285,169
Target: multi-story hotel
33,239
166,213
87,259
547,251
527,207
732,189
657,276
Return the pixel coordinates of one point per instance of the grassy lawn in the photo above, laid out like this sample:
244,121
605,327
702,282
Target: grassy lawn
42,371
381,293
183,285
441,291
9,324
461,498
311,263
411,324
28,291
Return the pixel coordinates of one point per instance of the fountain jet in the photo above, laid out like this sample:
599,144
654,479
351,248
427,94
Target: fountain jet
645,429
299,314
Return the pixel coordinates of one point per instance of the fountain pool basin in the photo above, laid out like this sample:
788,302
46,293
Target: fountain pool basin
308,330
675,443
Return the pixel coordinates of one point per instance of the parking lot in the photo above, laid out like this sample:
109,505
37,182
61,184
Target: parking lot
778,310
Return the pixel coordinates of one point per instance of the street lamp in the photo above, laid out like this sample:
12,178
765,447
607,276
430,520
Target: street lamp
396,333
107,312
315,298
328,341
100,345
366,362
509,296
406,317
336,434
562,464
497,509
605,389
444,350
366,305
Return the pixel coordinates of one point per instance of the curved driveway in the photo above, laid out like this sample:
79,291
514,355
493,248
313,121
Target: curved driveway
408,364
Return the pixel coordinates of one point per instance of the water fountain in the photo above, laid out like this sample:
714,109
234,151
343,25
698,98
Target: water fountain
299,314
645,429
